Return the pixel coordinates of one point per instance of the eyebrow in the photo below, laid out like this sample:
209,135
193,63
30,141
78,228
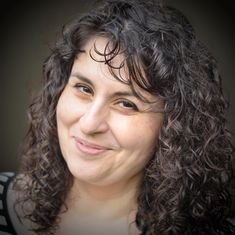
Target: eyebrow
118,93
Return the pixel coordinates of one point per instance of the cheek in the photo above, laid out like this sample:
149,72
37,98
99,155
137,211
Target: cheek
67,110
137,133
66,116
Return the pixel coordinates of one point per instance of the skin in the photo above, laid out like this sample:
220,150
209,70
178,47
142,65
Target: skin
106,141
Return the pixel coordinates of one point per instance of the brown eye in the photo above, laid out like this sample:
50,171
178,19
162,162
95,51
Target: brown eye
83,89
128,105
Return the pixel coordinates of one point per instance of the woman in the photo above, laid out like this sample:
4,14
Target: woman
128,133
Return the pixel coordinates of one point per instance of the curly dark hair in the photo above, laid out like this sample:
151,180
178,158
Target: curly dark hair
185,186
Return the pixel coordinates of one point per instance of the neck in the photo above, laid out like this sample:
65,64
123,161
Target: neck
104,201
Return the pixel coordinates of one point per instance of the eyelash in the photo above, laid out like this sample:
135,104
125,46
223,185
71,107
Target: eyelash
133,107
128,103
79,86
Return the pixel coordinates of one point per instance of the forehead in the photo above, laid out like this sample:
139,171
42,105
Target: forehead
101,50
97,59
101,55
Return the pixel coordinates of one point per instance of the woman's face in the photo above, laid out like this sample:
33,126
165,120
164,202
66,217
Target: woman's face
104,137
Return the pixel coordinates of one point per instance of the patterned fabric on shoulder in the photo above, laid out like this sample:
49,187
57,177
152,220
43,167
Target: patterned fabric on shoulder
6,227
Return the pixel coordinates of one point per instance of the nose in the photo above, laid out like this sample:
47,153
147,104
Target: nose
94,119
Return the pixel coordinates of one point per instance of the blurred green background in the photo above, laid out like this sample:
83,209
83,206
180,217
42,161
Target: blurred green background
30,28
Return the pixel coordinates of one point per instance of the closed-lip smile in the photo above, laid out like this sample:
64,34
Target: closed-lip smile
89,148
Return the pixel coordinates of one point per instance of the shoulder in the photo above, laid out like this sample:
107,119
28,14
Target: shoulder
5,220
12,224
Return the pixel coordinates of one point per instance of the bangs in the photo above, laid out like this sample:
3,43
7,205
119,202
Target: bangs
135,74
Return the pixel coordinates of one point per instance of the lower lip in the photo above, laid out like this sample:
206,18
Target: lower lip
89,150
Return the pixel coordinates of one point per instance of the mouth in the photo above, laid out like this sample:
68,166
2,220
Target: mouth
89,148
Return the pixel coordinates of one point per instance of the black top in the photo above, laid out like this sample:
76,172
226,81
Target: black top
6,226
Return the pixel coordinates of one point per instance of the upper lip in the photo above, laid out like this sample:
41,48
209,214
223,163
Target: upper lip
89,144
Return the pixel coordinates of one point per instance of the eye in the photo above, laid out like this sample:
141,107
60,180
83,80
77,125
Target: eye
126,104
84,89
